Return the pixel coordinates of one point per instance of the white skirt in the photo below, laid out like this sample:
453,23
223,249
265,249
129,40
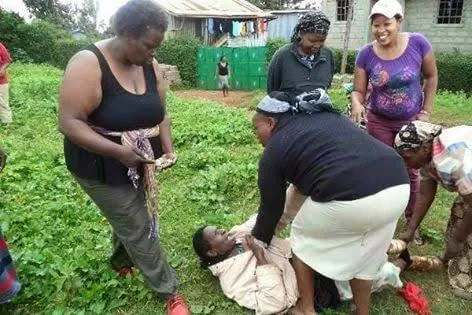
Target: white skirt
344,240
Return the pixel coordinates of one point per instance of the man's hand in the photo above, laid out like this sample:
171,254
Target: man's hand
256,249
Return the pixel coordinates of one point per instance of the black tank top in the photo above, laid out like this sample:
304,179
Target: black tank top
222,70
119,110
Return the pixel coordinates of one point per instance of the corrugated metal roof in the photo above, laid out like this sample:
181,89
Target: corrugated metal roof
213,8
276,12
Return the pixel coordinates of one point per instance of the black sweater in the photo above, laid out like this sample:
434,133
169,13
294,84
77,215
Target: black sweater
328,158
287,73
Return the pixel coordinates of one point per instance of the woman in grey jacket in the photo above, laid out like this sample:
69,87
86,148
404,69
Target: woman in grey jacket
304,64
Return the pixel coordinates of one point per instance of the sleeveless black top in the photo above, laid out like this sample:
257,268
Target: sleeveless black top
119,110
222,70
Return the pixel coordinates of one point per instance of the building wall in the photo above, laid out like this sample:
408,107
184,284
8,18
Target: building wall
421,16
183,26
360,28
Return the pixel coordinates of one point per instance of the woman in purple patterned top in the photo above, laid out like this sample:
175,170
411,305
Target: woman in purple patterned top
390,70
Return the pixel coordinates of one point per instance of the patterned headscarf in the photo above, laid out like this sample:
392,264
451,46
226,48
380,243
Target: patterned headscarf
414,134
312,22
276,103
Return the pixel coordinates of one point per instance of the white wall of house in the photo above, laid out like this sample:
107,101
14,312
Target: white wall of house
359,28
421,17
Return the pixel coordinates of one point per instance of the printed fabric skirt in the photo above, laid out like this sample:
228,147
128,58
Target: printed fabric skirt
344,240
460,268
224,81
9,285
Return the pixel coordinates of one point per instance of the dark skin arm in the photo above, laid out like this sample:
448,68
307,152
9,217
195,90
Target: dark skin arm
430,74
358,95
165,132
426,197
3,69
274,78
80,95
250,244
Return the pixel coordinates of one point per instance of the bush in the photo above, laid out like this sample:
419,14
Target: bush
66,48
351,60
39,40
8,25
181,51
272,46
20,55
455,72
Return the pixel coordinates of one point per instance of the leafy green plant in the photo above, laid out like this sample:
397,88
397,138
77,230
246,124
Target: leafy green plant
66,48
272,46
351,60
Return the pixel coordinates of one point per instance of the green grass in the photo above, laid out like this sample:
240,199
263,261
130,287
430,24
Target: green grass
60,242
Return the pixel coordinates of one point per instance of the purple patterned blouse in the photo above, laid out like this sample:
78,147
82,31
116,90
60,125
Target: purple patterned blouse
394,85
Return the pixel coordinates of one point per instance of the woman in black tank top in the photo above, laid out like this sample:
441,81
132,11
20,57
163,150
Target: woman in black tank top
223,71
109,88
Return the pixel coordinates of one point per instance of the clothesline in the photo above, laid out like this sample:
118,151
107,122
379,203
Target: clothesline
237,28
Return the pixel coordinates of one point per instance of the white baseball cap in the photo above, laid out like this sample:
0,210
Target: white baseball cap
387,8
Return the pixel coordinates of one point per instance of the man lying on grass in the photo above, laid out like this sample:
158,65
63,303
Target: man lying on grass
263,279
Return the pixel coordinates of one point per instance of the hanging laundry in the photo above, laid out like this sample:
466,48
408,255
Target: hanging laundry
261,26
226,26
264,25
250,27
236,28
230,28
210,26
244,29
216,26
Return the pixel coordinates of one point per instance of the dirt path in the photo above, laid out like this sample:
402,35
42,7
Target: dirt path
235,98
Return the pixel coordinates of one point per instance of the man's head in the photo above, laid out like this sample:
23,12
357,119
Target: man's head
212,245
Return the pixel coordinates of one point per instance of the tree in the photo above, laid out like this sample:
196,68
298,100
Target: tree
347,34
269,4
284,4
51,10
9,22
85,16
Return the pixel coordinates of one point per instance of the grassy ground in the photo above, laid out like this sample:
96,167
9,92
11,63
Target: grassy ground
60,242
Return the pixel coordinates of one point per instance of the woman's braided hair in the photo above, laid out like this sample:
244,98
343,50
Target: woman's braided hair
311,22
